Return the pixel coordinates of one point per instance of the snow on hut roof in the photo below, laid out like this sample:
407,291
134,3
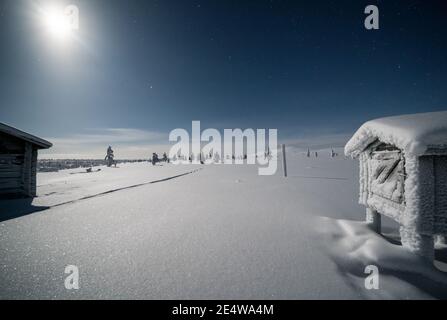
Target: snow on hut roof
413,133
40,143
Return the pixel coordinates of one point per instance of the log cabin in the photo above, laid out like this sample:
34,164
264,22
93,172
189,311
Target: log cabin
18,162
403,175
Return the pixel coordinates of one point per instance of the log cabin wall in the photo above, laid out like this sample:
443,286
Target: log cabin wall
12,156
426,195
433,198
33,187
440,176
26,169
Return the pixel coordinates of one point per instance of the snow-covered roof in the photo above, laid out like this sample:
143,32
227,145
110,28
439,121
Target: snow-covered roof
40,143
413,133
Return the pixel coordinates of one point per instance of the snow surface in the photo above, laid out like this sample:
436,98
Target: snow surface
401,271
220,232
413,133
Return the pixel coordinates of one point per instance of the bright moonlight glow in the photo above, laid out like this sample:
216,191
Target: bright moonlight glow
57,23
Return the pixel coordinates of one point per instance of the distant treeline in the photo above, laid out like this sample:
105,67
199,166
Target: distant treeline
51,165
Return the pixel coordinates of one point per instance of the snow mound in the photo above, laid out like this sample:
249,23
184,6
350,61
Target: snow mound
402,274
413,133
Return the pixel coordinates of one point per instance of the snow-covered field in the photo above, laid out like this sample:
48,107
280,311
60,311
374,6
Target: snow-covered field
206,232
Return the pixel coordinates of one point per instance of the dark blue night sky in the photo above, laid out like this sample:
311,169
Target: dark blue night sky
304,67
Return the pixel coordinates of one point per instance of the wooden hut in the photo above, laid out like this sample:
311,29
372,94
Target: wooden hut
403,175
18,162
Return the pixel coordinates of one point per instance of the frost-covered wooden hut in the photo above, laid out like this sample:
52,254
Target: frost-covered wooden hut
403,175
18,161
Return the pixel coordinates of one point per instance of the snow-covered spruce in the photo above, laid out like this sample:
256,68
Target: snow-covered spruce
403,175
